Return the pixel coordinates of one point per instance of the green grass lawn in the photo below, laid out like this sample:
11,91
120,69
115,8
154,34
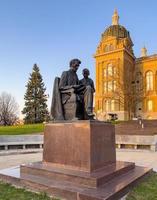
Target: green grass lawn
147,190
8,192
21,129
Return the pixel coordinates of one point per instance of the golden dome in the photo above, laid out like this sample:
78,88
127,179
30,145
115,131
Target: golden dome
116,31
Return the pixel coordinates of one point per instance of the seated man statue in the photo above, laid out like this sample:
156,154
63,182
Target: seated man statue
71,100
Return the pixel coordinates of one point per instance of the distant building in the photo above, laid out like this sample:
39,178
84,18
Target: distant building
126,86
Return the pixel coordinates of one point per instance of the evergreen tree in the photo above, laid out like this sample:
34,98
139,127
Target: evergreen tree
35,108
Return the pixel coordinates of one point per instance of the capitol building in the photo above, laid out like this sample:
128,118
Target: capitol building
126,86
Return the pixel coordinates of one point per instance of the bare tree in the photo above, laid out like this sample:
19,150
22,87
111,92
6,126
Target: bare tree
8,109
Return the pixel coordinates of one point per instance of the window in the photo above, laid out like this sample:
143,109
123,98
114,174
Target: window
114,71
109,86
149,105
149,80
109,70
111,105
106,48
109,47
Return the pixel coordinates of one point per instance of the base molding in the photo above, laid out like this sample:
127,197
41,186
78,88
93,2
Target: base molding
110,183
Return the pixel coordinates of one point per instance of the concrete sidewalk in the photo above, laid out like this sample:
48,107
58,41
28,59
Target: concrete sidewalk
141,158
7,161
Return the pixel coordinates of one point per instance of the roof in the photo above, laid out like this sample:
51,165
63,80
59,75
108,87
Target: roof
117,31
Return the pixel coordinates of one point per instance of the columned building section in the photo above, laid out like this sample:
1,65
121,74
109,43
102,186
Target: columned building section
146,66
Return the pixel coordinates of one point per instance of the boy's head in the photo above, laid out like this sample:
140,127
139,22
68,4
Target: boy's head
85,73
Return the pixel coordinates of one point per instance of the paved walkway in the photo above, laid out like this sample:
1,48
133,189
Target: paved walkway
7,161
142,158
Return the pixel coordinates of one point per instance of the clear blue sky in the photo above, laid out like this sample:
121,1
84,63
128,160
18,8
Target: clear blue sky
51,32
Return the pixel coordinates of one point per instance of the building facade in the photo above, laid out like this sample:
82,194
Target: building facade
126,86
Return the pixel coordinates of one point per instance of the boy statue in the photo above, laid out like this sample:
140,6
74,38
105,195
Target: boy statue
89,85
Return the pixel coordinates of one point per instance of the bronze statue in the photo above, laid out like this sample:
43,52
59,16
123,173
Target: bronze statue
86,80
89,85
71,98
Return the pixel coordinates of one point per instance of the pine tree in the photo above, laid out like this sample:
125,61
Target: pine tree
35,108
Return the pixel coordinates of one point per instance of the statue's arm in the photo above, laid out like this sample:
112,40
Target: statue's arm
72,89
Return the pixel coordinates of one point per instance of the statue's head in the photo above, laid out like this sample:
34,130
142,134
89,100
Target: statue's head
85,72
74,64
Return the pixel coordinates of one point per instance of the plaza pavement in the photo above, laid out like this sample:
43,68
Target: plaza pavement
7,161
141,158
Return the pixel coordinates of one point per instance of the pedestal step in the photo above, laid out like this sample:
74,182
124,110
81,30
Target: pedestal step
113,190
94,179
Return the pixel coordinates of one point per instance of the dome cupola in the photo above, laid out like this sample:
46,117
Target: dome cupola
116,30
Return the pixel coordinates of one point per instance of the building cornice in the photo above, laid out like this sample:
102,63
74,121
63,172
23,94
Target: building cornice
146,59
115,51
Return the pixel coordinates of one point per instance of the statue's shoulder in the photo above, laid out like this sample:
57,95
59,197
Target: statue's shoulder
82,79
65,73
91,79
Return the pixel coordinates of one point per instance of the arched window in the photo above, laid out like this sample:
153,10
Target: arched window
149,105
149,80
106,48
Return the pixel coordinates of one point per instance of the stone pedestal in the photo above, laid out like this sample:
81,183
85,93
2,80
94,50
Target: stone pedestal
79,163
82,145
